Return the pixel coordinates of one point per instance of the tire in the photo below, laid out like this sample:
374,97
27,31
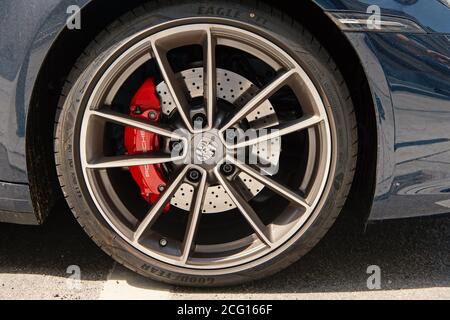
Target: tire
262,20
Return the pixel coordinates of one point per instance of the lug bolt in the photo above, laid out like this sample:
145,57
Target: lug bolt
176,148
163,242
152,115
230,135
227,169
199,120
194,175
175,145
161,188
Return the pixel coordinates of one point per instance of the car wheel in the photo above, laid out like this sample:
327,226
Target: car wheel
205,144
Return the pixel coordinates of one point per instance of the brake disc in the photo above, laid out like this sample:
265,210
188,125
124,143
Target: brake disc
236,90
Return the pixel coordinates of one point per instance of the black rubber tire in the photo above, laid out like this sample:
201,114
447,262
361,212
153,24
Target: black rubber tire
258,18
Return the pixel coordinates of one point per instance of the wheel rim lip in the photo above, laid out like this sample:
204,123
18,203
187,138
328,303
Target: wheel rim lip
230,264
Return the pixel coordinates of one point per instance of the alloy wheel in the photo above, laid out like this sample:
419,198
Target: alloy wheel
233,196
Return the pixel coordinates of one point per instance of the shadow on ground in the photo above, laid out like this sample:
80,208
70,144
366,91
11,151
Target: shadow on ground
51,249
412,253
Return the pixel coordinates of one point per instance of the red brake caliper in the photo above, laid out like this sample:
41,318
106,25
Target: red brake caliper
146,105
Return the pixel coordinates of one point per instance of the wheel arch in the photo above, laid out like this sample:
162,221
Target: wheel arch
69,45
62,54
361,196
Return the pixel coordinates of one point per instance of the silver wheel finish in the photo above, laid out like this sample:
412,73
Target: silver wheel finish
197,198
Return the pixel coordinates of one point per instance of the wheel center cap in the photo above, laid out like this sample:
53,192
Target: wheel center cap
207,149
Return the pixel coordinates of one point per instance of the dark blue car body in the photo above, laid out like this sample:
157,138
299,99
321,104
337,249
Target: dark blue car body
408,74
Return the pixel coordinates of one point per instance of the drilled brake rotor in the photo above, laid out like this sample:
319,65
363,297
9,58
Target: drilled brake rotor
236,90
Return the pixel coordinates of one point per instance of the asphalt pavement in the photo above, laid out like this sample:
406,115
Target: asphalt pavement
413,256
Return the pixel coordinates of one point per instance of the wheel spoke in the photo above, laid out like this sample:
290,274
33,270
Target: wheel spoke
260,98
210,77
126,120
279,131
158,207
194,218
175,89
131,161
261,230
271,184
